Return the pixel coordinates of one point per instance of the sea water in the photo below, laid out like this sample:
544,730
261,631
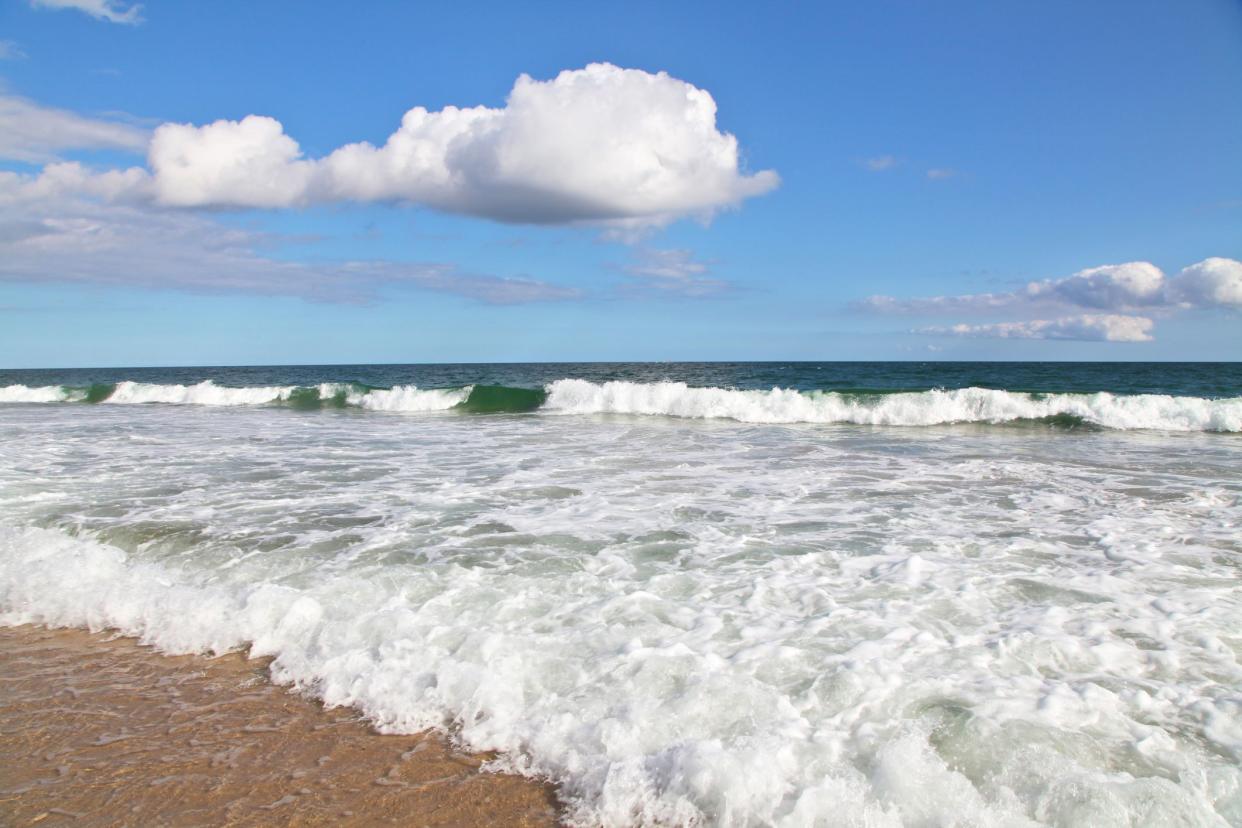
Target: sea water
736,594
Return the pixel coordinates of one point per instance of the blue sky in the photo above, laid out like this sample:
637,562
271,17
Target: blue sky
975,154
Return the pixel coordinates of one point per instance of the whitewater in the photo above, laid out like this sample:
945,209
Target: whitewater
677,399
751,603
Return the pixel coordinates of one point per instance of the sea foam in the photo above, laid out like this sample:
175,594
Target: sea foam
727,625
409,398
675,399
920,408
37,394
203,393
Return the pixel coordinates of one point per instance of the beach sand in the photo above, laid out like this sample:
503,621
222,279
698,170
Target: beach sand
100,730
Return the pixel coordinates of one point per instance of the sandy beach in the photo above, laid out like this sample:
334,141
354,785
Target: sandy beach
100,730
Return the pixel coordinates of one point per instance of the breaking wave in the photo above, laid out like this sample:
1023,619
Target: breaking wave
325,395
915,408
676,399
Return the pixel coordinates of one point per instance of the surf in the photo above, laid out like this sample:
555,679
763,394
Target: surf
776,405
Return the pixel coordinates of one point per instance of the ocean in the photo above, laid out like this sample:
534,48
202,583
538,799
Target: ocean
725,593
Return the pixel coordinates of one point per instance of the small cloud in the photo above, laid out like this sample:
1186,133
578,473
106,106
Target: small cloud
880,163
673,271
940,173
109,10
9,50
34,133
47,237
1083,328
1212,283
1108,287
970,302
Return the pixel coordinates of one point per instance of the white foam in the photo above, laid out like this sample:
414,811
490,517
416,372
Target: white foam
922,408
727,624
203,393
409,398
399,398
675,399
37,394
644,712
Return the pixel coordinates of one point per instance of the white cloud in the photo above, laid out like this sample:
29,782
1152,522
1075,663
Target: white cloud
674,265
880,163
37,134
1214,282
110,10
672,271
932,305
1085,327
1129,285
9,50
596,145
47,235
69,178
248,163
940,173
1211,283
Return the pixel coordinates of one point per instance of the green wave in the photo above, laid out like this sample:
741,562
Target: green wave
1068,422
308,398
499,399
99,391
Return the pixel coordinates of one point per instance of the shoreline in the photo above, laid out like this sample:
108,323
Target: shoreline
96,726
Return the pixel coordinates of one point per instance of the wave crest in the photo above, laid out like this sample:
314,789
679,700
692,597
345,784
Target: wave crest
915,408
204,393
37,394
676,399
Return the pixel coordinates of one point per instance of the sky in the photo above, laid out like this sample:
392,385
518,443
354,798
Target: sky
308,182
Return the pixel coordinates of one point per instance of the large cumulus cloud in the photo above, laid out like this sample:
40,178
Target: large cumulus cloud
600,144
247,163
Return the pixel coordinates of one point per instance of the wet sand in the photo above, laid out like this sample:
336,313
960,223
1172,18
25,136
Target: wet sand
99,730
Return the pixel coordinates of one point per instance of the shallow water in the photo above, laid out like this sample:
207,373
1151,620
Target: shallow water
685,617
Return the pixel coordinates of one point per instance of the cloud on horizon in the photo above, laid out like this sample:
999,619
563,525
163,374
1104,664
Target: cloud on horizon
1213,282
109,10
1083,328
1114,289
